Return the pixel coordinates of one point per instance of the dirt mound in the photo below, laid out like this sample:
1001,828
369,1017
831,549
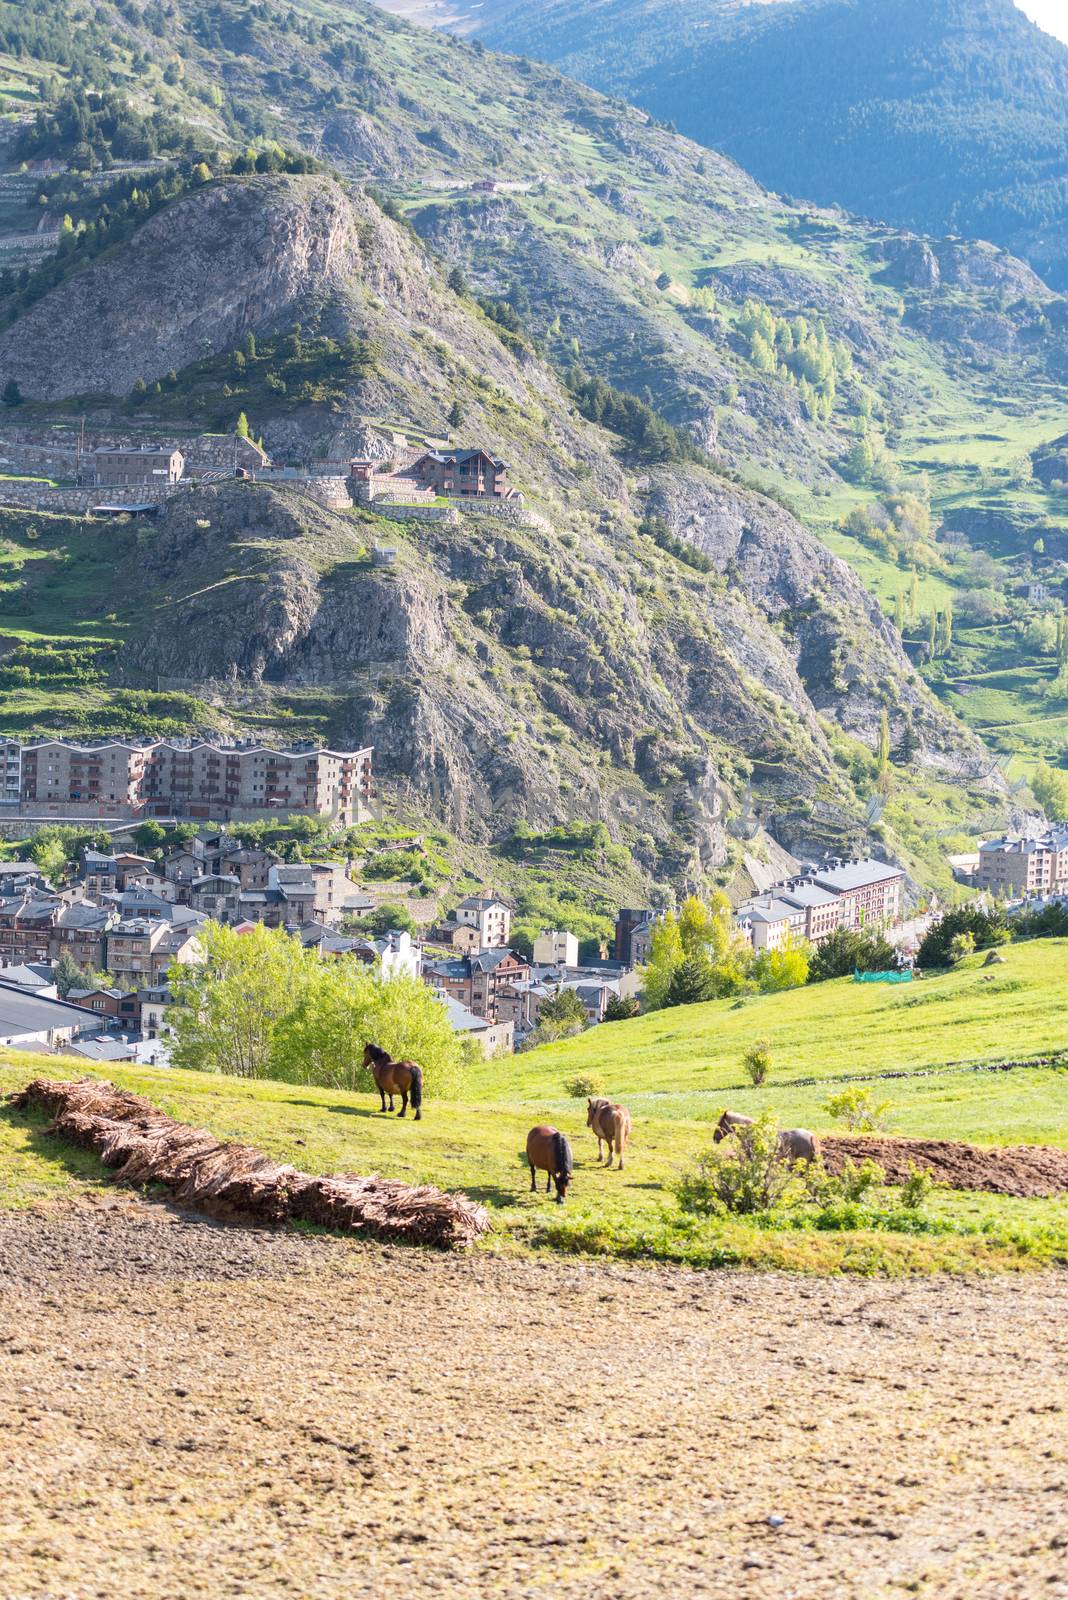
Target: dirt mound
237,1182
1029,1171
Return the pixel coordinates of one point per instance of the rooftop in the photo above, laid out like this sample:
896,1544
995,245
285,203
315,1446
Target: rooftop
847,875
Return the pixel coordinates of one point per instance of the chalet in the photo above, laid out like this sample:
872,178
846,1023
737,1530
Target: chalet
118,1008
462,472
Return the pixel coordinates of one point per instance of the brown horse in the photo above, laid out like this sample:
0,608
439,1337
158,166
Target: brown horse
795,1144
610,1123
395,1077
548,1151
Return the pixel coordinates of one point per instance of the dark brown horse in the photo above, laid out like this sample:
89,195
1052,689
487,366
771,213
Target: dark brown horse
548,1151
395,1077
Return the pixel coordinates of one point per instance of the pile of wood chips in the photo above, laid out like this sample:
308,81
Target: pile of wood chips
237,1182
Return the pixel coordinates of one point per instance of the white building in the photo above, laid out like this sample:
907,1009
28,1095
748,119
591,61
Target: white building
555,948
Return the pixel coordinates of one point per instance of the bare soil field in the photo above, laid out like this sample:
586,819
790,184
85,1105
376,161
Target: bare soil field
1025,1170
189,1409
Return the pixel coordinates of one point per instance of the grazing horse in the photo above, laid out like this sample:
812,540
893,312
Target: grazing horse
795,1144
395,1077
548,1151
610,1123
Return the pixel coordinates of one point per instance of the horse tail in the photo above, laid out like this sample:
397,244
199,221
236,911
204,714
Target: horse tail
417,1087
562,1156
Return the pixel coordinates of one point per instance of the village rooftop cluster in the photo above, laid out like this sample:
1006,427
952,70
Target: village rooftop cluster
135,918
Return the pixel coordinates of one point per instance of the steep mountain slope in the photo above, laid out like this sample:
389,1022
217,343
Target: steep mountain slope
672,639
947,116
507,671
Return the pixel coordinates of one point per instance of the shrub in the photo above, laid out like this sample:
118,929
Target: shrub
586,1086
753,1178
916,1188
848,1187
859,1111
960,946
757,1062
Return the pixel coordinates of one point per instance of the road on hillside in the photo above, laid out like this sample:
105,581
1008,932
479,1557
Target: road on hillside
189,1410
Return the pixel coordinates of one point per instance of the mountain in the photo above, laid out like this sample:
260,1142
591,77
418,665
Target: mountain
944,116
741,425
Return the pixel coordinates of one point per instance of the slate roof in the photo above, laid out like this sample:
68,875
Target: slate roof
30,1013
856,875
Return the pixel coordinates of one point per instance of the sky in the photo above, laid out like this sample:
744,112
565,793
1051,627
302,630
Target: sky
1049,14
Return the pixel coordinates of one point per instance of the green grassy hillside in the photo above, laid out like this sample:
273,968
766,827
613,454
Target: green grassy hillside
676,1072
825,1031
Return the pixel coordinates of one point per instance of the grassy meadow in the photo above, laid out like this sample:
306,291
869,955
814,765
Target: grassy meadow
676,1071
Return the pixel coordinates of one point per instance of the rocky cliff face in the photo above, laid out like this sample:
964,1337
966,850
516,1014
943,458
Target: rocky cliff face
204,271
504,675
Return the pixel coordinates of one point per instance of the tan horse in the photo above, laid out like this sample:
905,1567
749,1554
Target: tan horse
395,1077
795,1144
548,1151
610,1123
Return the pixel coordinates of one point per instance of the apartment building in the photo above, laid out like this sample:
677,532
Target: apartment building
191,778
843,894
1018,867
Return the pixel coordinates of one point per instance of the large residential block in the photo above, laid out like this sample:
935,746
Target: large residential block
842,894
190,778
1024,867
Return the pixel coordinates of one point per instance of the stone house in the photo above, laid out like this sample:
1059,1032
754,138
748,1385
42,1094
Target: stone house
488,916
81,930
492,1038
148,465
26,928
467,473
476,981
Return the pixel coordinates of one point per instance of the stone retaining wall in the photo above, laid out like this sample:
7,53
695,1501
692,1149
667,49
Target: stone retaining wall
78,502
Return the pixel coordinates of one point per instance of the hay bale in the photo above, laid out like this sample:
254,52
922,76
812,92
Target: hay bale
238,1182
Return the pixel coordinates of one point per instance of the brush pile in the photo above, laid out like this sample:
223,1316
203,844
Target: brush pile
237,1182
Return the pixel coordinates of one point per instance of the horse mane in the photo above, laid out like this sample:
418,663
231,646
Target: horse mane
379,1056
562,1156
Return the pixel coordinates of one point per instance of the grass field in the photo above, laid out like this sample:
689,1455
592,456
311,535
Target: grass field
823,1031
676,1072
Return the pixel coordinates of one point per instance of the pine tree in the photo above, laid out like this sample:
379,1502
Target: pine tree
11,394
250,347
456,415
932,633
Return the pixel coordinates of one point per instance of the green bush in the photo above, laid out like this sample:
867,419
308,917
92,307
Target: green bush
859,1110
752,1179
756,1062
587,1086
